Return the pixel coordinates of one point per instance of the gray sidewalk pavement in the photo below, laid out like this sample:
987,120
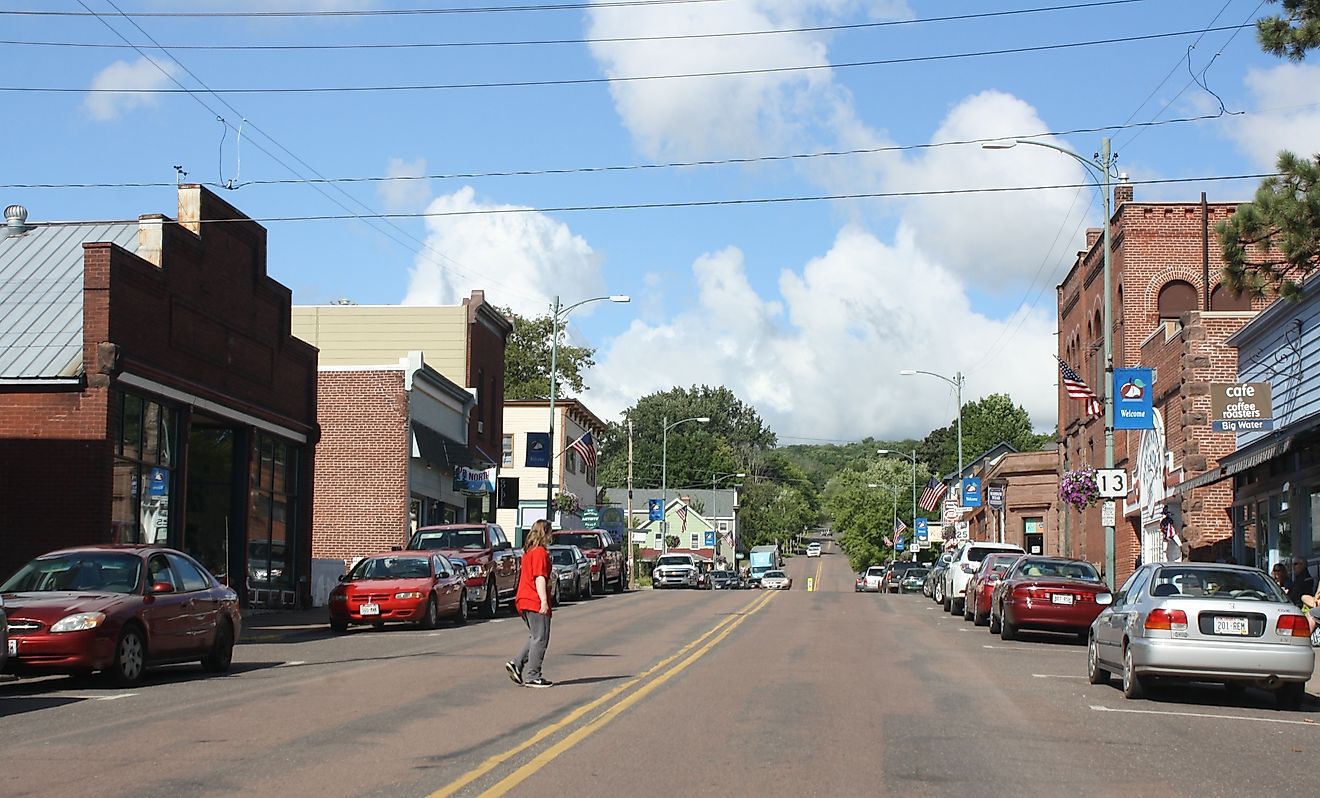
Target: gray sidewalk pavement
280,626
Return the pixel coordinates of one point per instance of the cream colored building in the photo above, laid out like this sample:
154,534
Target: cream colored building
532,416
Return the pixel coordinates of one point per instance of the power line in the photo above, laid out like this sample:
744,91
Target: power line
694,203
627,78
588,40
370,12
630,167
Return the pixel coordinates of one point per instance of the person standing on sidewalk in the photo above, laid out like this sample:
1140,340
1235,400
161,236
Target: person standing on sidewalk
533,604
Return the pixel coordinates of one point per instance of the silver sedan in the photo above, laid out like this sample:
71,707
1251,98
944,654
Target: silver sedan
1202,622
776,580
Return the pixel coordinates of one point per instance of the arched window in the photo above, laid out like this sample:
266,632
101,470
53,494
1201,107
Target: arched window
1176,298
1222,299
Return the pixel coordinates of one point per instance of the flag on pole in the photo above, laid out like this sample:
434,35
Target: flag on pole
682,516
1077,388
887,541
899,527
586,448
931,495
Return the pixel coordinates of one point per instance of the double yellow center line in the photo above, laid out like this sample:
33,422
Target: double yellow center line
685,656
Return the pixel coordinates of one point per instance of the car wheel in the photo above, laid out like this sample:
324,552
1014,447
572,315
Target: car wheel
968,611
618,583
1133,687
432,619
1007,631
937,594
554,597
339,627
222,650
130,657
1290,696
491,606
1094,673
948,604
461,617
980,618
994,622
591,589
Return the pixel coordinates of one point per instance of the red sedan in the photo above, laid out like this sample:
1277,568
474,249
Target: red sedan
1052,594
118,609
402,586
976,607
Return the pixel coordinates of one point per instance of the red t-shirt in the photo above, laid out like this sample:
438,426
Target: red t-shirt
535,562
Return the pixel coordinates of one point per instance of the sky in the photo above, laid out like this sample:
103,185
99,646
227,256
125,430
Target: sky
755,174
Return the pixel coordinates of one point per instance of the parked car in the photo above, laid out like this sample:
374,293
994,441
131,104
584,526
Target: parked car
860,584
895,575
913,580
573,570
724,580
1203,622
493,564
966,559
976,603
418,587
872,578
605,554
1053,594
933,588
676,570
776,580
119,610
813,549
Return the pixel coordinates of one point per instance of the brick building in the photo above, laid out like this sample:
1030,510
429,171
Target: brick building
1170,313
1029,518
150,391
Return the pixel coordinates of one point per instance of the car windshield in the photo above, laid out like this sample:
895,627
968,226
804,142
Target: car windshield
93,571
562,557
583,540
1215,583
469,538
917,573
978,553
875,570
774,575
670,560
1058,570
720,574
391,568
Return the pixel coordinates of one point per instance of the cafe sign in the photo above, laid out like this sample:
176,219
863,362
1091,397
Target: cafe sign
1240,407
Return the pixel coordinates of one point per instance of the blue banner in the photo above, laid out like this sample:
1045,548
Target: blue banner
923,529
538,450
970,493
1132,399
655,509
710,538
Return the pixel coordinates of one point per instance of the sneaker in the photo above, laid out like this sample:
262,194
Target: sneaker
539,683
514,673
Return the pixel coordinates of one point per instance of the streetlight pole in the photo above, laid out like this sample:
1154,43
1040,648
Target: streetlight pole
957,382
664,474
913,458
556,314
1100,170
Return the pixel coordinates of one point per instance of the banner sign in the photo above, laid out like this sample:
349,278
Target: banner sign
971,492
538,450
923,530
590,517
1241,407
1133,399
994,496
655,509
469,480
710,538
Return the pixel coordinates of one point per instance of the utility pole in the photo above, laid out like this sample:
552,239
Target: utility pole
627,527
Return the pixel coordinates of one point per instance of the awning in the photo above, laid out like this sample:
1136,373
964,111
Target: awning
437,449
1259,452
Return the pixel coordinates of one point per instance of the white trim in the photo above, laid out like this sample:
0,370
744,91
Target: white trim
25,382
134,381
376,367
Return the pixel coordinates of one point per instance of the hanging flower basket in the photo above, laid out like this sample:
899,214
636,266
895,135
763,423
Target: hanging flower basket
568,502
1079,489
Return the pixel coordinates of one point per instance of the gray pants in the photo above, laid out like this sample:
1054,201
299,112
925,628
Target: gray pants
533,651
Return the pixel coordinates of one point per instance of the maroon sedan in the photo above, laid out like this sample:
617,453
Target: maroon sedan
403,586
1052,594
980,588
118,609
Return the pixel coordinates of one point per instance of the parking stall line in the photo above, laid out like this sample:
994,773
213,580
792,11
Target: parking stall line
1056,676
577,714
1211,715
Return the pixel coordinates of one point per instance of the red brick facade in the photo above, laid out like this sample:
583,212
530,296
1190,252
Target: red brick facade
1031,491
1159,254
488,332
361,464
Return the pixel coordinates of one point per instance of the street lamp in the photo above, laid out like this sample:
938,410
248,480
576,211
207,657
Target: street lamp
1099,169
715,478
557,314
913,458
957,382
664,475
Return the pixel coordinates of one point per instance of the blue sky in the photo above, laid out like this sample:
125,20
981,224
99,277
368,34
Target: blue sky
806,309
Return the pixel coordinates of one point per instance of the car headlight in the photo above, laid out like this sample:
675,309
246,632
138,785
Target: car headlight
79,622
408,594
338,597
474,571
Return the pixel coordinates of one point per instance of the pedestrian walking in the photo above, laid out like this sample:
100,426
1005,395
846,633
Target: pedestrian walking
533,604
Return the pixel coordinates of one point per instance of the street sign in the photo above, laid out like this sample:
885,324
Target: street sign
1112,482
971,492
639,537
710,539
952,512
1107,514
962,529
655,509
898,545
1133,399
922,526
590,517
994,496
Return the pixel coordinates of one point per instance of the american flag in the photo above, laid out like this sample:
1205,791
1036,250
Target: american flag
1078,389
682,515
887,541
585,447
931,495
899,527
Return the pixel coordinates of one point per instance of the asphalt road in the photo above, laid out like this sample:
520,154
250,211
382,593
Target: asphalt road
660,693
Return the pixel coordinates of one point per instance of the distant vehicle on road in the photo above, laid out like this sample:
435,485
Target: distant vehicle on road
573,569
776,580
762,559
723,580
895,575
1202,622
813,550
860,584
493,564
913,580
872,578
966,559
418,587
604,553
676,570
1053,594
933,589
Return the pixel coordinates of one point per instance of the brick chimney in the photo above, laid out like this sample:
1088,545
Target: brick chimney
1122,192
1093,235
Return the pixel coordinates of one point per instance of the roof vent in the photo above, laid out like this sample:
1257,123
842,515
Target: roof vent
16,221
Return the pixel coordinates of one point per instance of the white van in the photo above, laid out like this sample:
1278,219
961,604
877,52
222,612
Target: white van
966,559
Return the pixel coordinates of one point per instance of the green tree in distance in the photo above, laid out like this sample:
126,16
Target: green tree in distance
527,359
986,423
1273,242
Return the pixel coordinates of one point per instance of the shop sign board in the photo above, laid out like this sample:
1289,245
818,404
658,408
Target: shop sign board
994,496
971,492
1133,405
1241,407
922,526
590,517
470,480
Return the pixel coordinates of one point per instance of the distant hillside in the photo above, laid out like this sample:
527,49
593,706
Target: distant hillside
820,461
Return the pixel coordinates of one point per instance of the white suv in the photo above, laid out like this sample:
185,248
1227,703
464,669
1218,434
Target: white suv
676,570
966,559
813,550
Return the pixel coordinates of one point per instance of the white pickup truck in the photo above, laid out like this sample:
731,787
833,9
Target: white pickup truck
676,570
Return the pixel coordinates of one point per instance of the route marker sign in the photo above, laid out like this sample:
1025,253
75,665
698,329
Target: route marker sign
1113,483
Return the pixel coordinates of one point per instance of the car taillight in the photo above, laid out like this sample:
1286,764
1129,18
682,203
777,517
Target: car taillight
1167,620
1292,626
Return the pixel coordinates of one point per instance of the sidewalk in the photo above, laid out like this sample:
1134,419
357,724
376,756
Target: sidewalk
283,626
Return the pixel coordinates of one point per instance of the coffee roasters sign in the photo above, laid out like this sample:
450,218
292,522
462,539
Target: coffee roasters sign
1240,407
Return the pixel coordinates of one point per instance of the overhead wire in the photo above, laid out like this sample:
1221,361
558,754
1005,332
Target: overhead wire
367,12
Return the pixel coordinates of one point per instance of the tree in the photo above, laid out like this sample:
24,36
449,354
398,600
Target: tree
863,516
986,423
527,359
1273,242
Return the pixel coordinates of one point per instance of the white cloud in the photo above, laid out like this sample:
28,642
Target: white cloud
1280,121
123,76
822,359
405,195
521,260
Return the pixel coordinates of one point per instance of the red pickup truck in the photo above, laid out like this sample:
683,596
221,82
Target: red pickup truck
607,566
493,564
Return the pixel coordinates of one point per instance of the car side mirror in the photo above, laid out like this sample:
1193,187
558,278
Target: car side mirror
343,577
1104,599
396,548
505,546
443,575
162,587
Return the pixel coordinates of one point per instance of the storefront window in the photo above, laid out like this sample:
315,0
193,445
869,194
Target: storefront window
1315,520
271,565
142,482
1282,522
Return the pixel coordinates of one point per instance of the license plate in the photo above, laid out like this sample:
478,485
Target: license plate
370,609
1231,626
13,647
1061,598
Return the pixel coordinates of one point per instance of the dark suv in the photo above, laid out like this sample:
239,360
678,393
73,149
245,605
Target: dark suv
894,576
603,551
492,562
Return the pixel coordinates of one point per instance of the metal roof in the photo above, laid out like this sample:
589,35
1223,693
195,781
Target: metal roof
41,298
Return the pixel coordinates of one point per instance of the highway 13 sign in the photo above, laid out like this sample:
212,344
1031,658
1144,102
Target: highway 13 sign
1113,483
